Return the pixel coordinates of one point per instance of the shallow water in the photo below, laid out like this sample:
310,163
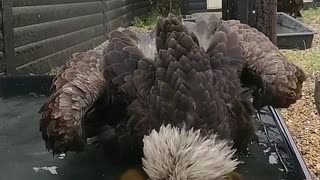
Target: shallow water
23,155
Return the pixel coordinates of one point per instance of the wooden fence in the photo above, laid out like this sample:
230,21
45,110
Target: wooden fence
37,35
1,45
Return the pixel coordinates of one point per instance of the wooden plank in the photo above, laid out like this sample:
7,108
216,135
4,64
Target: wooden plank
114,16
7,30
1,41
141,11
45,64
139,7
142,4
115,8
0,17
104,19
33,51
28,15
1,32
19,3
138,12
115,23
129,8
2,63
128,18
33,33
113,4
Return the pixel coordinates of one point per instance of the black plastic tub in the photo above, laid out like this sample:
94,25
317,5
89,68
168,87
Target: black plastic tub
311,4
23,155
292,33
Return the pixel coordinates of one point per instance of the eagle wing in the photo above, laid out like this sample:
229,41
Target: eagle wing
278,80
273,79
75,90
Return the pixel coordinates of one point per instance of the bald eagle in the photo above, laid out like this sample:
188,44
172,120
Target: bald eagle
180,100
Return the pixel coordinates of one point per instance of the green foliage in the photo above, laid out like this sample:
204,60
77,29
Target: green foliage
312,15
158,8
164,7
148,21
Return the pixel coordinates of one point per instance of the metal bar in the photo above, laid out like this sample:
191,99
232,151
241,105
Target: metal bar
8,37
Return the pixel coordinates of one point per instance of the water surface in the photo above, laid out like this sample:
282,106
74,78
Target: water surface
24,157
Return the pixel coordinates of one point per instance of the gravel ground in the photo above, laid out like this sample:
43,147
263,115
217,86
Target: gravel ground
302,118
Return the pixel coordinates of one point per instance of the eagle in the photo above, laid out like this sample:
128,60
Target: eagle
181,100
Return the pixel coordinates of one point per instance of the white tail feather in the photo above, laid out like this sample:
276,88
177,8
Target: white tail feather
176,154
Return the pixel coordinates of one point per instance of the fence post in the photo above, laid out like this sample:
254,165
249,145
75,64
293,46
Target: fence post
104,11
235,9
266,18
260,14
8,36
184,7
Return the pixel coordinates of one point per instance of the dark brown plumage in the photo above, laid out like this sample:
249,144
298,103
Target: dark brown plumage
267,72
192,74
205,96
75,89
277,81
185,85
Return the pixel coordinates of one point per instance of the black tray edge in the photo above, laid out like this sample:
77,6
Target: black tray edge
290,142
22,85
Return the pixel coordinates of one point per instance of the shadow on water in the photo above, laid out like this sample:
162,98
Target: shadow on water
22,152
23,155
